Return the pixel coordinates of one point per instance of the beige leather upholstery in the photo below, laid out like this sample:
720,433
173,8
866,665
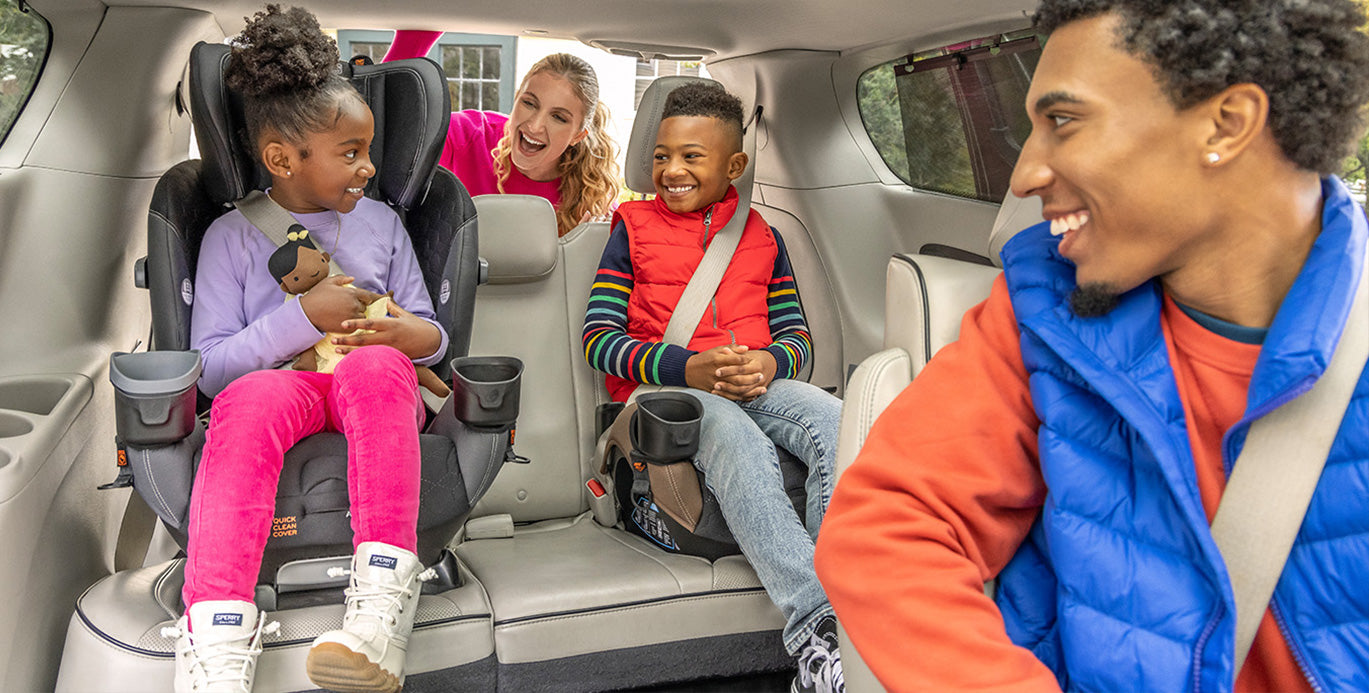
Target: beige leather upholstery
521,251
531,319
561,585
570,587
924,299
127,652
1015,214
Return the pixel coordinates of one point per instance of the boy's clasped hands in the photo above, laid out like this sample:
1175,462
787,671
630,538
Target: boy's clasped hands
732,371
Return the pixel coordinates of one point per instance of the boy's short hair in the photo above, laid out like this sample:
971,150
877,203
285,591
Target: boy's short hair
706,99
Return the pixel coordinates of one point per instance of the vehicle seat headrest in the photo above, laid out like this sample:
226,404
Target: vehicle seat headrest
408,98
517,237
1014,215
641,144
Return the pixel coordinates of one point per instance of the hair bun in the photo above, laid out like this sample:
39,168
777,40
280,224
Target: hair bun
280,51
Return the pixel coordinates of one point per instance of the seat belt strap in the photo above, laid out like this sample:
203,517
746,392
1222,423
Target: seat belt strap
272,220
703,284
1273,479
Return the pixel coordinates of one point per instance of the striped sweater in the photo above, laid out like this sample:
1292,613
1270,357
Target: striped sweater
609,347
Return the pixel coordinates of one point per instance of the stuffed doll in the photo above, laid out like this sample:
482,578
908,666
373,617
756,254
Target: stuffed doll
298,266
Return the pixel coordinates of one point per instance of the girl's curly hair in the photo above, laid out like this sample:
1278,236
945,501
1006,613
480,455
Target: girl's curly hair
1310,56
286,68
589,169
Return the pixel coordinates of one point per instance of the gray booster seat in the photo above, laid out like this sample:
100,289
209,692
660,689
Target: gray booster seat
158,409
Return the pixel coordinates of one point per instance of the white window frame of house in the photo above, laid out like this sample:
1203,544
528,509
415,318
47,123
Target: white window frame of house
642,80
508,54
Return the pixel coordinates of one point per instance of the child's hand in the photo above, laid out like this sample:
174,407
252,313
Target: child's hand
404,331
749,380
331,302
733,372
701,370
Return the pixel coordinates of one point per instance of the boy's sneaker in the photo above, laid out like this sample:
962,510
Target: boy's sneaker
820,662
220,654
367,655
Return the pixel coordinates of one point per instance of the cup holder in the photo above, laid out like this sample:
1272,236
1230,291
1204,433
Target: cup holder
485,390
13,425
665,427
154,395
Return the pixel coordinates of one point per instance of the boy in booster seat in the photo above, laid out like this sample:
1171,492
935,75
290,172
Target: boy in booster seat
740,362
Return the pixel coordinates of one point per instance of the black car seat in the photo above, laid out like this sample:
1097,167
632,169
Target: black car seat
411,104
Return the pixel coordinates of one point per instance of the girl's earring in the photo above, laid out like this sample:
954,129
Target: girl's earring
1213,158
291,173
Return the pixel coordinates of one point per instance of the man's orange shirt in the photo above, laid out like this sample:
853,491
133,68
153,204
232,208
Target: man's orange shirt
947,486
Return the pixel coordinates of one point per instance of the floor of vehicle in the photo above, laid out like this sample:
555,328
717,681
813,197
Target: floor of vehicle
775,682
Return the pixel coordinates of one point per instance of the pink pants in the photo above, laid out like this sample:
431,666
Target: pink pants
372,398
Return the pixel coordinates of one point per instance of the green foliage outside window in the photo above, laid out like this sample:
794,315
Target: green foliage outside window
23,45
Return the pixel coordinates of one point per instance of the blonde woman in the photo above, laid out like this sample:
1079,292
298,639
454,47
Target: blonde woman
553,143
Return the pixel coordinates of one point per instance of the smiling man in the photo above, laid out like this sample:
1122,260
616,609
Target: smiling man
1195,271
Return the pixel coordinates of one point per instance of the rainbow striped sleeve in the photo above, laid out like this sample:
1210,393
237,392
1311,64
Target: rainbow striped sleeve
608,347
793,345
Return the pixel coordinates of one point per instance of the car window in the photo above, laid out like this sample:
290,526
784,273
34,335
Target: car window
23,47
952,120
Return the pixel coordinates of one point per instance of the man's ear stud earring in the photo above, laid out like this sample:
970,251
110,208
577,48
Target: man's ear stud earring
1213,158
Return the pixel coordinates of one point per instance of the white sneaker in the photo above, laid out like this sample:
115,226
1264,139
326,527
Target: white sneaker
367,655
220,655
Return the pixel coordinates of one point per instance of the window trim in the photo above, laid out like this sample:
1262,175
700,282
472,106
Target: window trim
848,68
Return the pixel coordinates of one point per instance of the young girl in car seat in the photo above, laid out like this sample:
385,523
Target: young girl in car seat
552,144
312,131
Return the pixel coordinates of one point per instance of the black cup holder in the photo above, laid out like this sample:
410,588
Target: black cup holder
154,395
485,391
665,427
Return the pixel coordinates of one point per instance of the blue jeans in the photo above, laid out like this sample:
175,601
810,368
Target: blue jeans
738,459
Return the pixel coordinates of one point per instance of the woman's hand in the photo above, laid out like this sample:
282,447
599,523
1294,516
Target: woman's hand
404,331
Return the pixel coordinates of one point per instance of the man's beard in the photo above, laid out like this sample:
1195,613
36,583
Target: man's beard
1093,300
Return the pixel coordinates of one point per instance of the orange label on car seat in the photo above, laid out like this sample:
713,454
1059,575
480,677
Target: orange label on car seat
284,526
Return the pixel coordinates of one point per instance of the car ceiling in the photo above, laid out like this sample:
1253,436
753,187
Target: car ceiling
723,28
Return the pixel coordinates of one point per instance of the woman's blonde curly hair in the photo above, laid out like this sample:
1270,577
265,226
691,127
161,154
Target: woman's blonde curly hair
589,168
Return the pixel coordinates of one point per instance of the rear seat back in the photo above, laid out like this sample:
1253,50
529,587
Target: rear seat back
925,300
532,307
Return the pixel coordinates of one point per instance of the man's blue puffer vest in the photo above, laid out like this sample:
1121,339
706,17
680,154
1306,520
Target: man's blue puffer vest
1119,585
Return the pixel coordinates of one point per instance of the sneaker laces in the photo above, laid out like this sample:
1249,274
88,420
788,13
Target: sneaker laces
377,599
224,659
820,665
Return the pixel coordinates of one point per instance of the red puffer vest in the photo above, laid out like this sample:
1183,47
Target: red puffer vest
666,248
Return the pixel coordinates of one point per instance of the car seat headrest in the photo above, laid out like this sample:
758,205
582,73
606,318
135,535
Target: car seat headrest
642,142
517,237
1014,215
408,98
